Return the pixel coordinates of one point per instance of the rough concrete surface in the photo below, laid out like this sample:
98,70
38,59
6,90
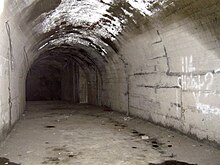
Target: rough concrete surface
156,59
61,133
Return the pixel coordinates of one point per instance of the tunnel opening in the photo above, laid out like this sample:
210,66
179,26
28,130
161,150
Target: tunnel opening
44,82
56,79
67,77
156,60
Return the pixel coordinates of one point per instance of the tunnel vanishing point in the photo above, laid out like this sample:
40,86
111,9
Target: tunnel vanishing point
154,59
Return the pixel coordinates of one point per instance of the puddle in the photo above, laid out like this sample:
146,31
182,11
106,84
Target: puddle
172,162
49,126
4,161
71,156
135,132
155,146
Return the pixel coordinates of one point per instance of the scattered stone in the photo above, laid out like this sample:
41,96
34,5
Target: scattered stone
127,118
145,137
28,152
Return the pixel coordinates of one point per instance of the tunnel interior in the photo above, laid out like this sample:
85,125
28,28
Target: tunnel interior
60,77
44,82
157,60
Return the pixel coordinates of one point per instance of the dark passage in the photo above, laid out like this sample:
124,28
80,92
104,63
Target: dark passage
44,82
56,78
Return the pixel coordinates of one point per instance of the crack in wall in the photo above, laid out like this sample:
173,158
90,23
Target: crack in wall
158,86
144,73
157,57
8,29
168,62
10,68
159,41
177,74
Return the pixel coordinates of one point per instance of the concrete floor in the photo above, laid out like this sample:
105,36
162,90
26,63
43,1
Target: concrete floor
60,133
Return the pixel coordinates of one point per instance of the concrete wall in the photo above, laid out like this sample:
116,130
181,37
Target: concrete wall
164,68
13,70
173,69
115,86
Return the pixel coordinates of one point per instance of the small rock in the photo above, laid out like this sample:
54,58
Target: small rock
28,152
127,118
144,137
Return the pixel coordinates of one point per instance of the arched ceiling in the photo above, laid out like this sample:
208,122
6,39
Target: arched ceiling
88,28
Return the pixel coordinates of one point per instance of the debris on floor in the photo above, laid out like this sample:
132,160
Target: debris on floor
145,137
5,161
50,126
172,162
88,135
127,118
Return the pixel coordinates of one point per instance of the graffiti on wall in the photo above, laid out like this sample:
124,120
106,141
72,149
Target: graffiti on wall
192,81
197,84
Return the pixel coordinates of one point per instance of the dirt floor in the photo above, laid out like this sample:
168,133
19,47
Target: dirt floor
59,133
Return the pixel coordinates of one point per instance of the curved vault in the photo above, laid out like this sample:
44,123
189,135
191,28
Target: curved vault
94,25
135,47
86,32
